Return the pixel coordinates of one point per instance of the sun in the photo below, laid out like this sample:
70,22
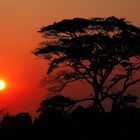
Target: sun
2,84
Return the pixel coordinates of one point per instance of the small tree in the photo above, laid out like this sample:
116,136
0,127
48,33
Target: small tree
59,103
105,52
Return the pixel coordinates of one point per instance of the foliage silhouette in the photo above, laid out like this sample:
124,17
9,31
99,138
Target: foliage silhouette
87,122
102,51
15,126
53,113
79,123
58,102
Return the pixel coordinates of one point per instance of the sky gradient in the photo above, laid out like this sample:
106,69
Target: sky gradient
20,21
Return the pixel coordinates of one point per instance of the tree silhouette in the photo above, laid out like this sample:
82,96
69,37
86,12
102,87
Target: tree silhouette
19,124
58,102
102,51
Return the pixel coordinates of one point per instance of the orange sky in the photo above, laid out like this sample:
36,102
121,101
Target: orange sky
20,21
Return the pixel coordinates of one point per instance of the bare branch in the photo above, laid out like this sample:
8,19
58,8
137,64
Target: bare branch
84,77
78,101
130,84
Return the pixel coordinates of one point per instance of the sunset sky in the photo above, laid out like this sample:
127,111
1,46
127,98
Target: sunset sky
20,21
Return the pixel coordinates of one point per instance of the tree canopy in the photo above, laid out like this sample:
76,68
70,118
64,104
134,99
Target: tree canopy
105,52
60,103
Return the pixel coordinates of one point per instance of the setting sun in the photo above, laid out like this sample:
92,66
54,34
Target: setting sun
2,84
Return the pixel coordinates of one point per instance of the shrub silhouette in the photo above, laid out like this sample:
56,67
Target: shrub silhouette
14,126
53,112
80,122
58,102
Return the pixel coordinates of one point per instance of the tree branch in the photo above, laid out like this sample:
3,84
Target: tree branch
84,77
77,101
128,85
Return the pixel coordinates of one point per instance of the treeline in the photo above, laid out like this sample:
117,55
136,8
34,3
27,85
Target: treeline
57,121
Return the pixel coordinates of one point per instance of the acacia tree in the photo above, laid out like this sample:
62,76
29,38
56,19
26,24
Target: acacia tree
105,52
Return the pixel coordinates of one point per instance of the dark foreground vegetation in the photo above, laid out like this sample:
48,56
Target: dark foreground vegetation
56,122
